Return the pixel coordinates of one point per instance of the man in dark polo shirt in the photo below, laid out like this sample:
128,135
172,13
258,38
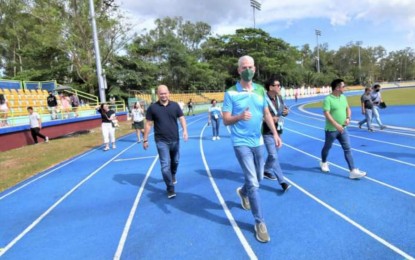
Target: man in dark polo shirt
163,116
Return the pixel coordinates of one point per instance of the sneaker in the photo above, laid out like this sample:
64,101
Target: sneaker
214,138
171,194
356,174
106,148
360,126
174,179
285,186
261,232
269,176
113,146
324,166
244,199
217,138
370,130
382,127
47,139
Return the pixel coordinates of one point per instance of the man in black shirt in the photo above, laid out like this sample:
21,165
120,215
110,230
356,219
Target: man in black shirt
163,116
52,105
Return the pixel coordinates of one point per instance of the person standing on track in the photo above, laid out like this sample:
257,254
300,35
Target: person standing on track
278,110
338,113
367,109
244,108
214,115
163,116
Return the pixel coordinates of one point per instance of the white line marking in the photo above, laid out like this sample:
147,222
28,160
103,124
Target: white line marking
134,158
228,213
347,170
45,174
41,217
357,225
354,149
127,226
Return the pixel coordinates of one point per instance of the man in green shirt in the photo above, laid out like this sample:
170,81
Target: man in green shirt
338,113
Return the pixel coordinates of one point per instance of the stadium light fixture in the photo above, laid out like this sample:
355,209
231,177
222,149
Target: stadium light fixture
318,33
255,6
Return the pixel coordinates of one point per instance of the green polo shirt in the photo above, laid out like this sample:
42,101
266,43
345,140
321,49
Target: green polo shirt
337,107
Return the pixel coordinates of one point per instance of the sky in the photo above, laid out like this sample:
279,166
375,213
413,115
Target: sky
387,23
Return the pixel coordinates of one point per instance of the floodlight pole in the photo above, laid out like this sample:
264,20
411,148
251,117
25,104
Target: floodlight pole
318,33
358,43
101,83
255,5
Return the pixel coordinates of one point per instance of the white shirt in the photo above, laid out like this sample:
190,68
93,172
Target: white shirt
34,120
137,115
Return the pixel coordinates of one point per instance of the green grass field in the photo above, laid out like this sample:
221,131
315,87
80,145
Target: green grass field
392,97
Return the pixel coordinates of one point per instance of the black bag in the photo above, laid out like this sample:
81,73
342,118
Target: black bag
382,105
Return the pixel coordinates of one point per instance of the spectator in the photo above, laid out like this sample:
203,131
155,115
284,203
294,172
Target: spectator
377,99
137,114
244,108
65,105
107,125
35,123
75,103
4,110
163,115
367,109
190,107
52,105
337,113
112,103
278,110
214,115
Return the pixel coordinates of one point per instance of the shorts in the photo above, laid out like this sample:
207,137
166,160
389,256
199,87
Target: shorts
138,125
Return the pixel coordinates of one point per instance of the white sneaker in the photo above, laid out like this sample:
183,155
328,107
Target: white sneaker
47,139
217,138
356,174
214,138
324,167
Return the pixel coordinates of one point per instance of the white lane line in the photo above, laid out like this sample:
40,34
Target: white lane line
134,158
41,217
45,174
355,224
354,149
355,136
62,164
242,239
347,170
127,226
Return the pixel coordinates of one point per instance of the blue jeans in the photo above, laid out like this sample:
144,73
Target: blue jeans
368,118
215,126
252,164
169,161
344,142
272,164
376,115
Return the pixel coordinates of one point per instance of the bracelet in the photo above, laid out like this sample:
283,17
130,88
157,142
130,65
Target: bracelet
145,141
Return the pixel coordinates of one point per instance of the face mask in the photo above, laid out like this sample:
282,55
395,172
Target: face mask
247,75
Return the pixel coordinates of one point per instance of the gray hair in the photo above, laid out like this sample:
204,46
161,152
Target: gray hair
246,57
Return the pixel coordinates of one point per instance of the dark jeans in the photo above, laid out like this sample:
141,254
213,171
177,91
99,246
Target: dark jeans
35,133
344,142
169,161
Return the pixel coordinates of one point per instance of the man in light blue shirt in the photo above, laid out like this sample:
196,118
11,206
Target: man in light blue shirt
244,108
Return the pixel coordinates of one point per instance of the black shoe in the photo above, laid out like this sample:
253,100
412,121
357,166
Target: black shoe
171,194
269,176
285,186
173,177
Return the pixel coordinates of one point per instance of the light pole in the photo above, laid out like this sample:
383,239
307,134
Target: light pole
255,5
100,75
318,33
358,43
